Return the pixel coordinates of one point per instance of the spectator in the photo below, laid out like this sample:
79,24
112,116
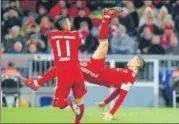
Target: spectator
28,5
148,14
168,33
32,48
122,43
75,7
11,18
31,30
155,47
12,4
114,25
163,14
12,38
47,4
132,12
18,48
82,18
145,40
29,26
147,3
42,12
89,43
35,38
57,9
65,12
126,20
4,4
152,26
174,47
45,27
175,10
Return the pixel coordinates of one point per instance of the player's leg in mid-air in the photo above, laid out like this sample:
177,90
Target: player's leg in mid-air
102,49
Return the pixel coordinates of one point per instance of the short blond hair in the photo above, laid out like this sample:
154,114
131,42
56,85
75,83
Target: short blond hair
141,62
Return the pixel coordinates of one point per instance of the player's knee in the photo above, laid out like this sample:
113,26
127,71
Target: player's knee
62,105
104,44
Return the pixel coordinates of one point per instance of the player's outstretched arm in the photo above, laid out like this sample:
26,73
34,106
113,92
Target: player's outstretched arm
122,94
112,96
36,84
108,115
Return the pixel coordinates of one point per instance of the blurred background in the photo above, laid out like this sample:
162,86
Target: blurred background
149,28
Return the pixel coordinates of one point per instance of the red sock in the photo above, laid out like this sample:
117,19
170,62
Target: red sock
104,31
47,76
79,117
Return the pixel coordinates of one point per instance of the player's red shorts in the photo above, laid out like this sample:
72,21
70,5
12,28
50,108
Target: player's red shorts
67,80
92,69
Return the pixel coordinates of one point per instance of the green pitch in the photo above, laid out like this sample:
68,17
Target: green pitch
92,115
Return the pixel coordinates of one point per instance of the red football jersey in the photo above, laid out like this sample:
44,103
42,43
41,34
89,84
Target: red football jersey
106,76
115,77
65,47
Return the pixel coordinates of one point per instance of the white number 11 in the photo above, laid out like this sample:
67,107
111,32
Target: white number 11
59,49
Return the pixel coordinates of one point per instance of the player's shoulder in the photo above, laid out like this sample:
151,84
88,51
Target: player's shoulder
130,75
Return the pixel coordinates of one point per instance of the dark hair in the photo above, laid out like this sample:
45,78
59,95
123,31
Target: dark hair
60,22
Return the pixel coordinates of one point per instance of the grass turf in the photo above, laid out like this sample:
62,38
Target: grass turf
92,115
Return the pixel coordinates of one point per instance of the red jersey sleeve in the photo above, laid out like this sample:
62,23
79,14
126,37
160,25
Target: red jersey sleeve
129,78
113,95
119,101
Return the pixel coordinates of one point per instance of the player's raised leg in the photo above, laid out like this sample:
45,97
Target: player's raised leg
36,84
102,49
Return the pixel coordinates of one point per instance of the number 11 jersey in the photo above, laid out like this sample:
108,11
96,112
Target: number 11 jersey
65,47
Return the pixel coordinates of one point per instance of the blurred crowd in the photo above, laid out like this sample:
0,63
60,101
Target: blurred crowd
144,26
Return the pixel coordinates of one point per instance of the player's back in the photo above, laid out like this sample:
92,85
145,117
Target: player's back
65,47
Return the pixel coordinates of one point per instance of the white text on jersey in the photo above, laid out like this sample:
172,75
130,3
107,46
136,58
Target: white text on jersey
64,37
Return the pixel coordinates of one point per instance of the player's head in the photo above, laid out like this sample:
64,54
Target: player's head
62,23
137,62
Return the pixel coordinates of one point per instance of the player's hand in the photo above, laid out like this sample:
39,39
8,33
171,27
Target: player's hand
107,116
101,105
